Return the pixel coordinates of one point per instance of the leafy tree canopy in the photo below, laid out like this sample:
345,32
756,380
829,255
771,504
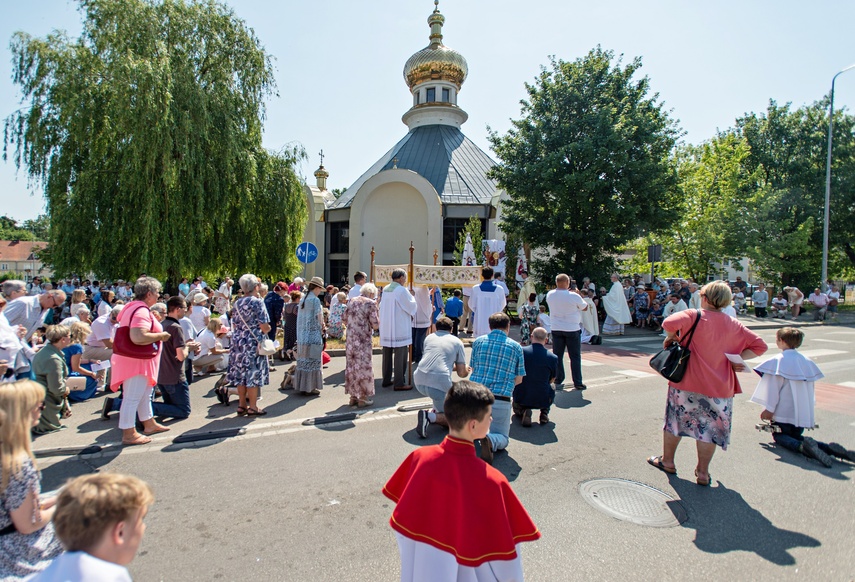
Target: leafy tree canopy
146,135
586,167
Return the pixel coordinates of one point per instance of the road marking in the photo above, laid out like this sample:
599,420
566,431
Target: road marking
847,384
590,364
841,333
635,373
623,340
831,341
820,353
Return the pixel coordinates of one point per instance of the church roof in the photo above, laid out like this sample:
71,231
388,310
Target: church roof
450,161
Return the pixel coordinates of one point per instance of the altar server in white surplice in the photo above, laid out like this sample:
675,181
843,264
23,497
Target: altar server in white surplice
397,307
487,299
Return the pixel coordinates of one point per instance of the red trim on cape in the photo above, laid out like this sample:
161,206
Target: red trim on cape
451,499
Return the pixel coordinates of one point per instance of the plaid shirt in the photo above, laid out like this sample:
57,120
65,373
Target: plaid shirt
496,362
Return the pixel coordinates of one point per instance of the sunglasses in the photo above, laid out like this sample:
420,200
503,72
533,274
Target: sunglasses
41,406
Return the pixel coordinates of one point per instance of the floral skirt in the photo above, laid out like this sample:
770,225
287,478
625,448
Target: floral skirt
703,418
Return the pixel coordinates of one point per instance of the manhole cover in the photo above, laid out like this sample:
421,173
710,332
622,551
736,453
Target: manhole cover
634,502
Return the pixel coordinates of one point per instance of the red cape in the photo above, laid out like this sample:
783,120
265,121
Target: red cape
449,498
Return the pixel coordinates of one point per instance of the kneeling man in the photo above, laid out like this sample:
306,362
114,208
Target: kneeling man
536,390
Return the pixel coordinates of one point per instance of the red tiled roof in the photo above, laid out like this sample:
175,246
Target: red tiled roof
19,250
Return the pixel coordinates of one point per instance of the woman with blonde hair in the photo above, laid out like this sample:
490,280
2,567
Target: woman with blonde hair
27,540
78,367
700,406
52,372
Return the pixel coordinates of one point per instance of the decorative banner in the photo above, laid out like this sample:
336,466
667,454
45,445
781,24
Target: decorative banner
468,258
521,264
431,275
494,255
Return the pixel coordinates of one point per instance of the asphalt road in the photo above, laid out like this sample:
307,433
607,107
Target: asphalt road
288,500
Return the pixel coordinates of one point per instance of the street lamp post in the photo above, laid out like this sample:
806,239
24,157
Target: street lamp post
824,283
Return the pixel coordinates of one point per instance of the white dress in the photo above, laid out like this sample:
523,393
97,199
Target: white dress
787,388
422,562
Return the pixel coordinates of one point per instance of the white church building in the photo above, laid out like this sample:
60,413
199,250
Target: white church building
424,189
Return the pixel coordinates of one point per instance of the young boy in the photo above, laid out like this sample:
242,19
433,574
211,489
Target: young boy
543,321
786,392
99,520
457,518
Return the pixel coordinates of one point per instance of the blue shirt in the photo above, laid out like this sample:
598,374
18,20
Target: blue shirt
454,307
496,362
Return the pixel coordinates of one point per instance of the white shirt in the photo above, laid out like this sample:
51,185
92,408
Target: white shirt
671,308
104,308
198,317
354,292
397,308
26,311
485,303
729,310
208,341
787,388
543,321
81,567
503,286
565,310
102,328
424,311
696,300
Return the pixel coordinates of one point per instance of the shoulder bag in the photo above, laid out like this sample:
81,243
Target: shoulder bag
124,346
671,362
266,347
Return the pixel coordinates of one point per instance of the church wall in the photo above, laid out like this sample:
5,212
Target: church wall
390,210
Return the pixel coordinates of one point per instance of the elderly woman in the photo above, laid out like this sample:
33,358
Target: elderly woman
52,372
139,375
641,305
78,367
308,378
361,319
700,406
27,540
289,318
336,327
617,310
248,370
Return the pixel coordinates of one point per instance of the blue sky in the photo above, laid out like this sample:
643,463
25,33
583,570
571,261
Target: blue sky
339,64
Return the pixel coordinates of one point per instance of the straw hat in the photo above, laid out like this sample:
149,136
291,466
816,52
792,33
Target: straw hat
317,282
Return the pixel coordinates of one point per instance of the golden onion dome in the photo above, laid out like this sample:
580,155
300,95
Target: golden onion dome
436,61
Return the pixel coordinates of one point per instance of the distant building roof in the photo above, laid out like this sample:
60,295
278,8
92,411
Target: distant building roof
450,161
19,250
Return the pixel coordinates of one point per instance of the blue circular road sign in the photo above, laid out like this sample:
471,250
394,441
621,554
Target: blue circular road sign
307,252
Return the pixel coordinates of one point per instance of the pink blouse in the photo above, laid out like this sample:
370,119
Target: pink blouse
123,367
709,372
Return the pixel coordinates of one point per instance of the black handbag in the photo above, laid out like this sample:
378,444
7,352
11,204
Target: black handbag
671,362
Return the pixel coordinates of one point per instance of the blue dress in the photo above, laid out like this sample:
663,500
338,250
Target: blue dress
246,367
91,383
310,344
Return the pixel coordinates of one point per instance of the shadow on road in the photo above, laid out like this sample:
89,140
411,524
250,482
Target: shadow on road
724,522
836,471
570,399
55,475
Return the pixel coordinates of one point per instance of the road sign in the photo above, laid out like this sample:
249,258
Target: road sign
307,252
654,254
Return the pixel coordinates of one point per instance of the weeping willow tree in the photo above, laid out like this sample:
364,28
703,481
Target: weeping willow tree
145,133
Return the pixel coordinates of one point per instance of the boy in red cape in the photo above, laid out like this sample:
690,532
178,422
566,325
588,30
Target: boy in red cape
457,517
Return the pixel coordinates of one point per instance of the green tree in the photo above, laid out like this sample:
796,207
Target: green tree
782,230
586,167
146,135
714,186
475,229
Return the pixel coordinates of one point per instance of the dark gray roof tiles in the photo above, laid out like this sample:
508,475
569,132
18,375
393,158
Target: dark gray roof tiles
451,162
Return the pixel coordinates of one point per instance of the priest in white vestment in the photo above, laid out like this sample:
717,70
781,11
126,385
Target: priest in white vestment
397,307
590,324
487,299
617,311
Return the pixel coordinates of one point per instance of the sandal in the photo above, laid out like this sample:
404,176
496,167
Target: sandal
656,461
241,411
255,412
353,401
701,482
364,403
138,440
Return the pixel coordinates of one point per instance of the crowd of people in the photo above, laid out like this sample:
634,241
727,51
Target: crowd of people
63,345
